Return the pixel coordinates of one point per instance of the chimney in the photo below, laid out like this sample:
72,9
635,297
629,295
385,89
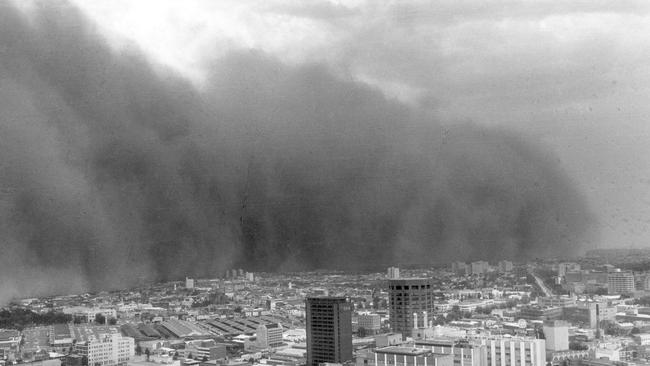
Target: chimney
426,320
415,320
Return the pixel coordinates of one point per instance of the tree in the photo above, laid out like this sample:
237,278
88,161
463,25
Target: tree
205,359
138,350
175,356
100,318
361,332
635,330
84,361
190,355
578,346
19,318
645,300
147,352
611,328
112,321
601,291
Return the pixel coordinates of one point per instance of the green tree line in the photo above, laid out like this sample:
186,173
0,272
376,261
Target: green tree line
19,318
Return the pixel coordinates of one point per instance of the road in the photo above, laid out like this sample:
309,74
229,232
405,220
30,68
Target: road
542,285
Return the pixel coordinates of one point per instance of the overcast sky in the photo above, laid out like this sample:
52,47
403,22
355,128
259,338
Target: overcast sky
574,74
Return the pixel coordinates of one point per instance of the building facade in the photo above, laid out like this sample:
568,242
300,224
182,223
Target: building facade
393,273
269,335
88,314
107,349
479,267
556,333
371,323
505,266
329,330
205,349
539,313
553,301
620,282
464,353
410,302
515,351
403,356
588,314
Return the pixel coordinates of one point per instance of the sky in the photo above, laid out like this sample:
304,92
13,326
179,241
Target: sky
153,140
572,74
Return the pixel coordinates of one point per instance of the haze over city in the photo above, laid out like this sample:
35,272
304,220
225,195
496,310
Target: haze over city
150,140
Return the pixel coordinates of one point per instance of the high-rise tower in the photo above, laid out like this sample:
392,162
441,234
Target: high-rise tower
329,330
410,302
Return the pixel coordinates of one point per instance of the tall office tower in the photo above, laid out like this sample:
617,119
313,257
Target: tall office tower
410,301
393,273
620,282
329,330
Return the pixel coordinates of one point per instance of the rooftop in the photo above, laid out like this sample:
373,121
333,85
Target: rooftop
400,350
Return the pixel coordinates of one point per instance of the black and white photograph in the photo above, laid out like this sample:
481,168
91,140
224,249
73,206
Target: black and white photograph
324,183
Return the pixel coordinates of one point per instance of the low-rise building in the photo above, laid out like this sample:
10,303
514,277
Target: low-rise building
539,313
556,301
88,314
205,349
620,282
371,323
269,335
479,267
642,338
505,266
490,350
588,314
9,339
464,353
556,333
403,356
515,351
107,349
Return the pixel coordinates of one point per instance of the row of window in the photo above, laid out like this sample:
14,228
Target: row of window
410,287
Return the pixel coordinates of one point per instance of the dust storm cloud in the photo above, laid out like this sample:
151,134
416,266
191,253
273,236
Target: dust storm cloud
115,171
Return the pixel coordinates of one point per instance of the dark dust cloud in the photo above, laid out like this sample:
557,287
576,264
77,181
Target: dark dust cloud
114,171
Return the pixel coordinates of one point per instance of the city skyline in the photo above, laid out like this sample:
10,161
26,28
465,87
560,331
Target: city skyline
324,183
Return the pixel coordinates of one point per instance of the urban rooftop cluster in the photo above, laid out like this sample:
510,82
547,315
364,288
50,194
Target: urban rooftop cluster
593,310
